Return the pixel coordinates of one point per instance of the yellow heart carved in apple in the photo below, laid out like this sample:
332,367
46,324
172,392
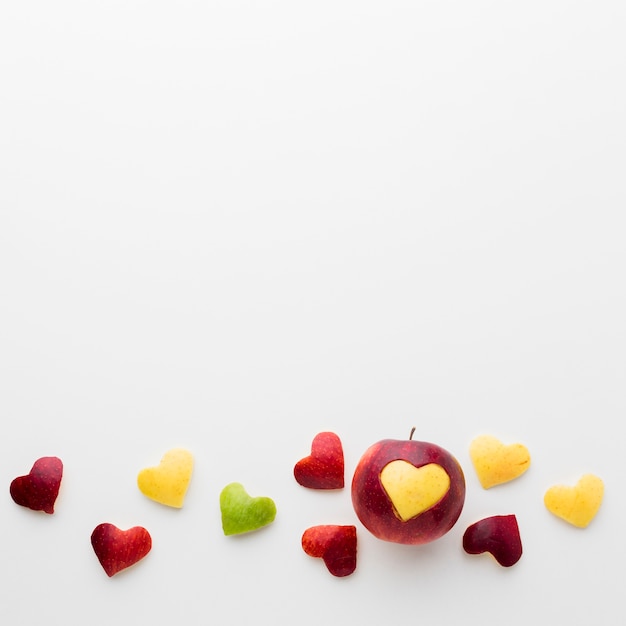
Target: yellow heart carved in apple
496,463
167,483
579,504
413,490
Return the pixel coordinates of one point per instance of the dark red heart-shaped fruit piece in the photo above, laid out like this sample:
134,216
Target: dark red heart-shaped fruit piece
499,535
336,545
324,467
118,549
38,490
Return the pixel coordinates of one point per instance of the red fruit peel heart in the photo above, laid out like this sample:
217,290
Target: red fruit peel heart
499,535
38,490
118,549
324,467
336,545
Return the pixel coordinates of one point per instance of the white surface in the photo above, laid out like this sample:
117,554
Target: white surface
231,225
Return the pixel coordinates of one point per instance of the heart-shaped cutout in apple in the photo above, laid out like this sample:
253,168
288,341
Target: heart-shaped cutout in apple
118,549
413,490
242,513
408,491
38,490
335,545
324,467
498,535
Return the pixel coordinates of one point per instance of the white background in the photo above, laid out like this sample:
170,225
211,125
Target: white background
230,225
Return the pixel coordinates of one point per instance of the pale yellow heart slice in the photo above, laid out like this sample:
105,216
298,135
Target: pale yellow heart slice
579,504
413,490
167,483
496,463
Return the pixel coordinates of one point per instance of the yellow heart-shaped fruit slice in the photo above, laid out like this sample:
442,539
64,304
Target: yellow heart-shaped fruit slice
167,483
579,504
413,490
496,463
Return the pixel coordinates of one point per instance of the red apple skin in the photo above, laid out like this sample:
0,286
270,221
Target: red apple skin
499,535
38,490
374,508
335,544
118,549
324,467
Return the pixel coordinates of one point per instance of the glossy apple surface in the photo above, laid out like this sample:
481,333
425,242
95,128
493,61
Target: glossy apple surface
407,491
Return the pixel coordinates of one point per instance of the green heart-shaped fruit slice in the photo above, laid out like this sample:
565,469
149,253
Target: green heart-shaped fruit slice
242,513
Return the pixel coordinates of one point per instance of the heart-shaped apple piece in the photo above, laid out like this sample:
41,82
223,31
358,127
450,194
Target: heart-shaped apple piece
324,467
413,490
579,504
118,549
242,513
335,544
167,483
38,490
499,535
496,463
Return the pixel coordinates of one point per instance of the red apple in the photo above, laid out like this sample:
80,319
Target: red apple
498,535
118,549
324,467
38,490
407,491
336,545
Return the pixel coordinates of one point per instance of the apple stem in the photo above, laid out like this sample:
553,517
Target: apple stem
411,435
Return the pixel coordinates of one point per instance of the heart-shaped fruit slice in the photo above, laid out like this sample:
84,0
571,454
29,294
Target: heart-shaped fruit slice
413,490
579,504
242,513
38,490
336,545
496,463
324,467
167,483
118,549
498,535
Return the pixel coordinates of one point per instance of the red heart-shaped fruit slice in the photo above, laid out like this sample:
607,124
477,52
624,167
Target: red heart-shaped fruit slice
498,535
38,490
118,549
336,545
324,467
